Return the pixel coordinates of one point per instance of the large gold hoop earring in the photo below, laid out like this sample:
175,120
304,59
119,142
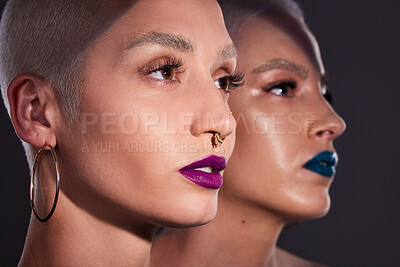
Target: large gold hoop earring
32,196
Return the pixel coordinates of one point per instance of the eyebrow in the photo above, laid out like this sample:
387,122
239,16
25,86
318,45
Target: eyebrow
283,64
227,52
169,40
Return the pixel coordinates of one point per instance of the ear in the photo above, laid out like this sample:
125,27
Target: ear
33,109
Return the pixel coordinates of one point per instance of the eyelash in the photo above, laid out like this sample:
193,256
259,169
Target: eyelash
281,84
293,85
235,80
168,63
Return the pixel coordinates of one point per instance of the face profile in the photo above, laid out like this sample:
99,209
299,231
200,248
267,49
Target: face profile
284,121
284,160
165,84
151,135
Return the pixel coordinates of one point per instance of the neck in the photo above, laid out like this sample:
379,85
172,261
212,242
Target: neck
74,237
240,235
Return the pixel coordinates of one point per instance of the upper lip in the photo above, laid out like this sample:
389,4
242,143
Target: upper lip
213,161
325,157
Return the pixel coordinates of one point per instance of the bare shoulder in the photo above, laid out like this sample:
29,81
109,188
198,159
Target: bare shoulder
285,258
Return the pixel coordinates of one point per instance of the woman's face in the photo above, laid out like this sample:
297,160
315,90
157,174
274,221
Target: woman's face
283,121
154,91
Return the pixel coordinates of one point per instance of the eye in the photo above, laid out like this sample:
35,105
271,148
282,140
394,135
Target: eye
230,82
165,70
166,73
223,83
281,88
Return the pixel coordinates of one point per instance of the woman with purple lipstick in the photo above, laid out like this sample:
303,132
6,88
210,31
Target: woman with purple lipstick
124,104
284,160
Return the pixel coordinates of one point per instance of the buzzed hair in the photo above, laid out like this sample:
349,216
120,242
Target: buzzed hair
50,39
236,13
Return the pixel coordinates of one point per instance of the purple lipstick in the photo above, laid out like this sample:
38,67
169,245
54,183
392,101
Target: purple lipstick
205,171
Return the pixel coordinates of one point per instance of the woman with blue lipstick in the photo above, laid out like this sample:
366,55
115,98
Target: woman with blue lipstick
284,159
124,104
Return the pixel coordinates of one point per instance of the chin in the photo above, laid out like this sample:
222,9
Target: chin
301,206
312,209
317,212
196,211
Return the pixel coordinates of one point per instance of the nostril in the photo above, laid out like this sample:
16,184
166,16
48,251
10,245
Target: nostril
326,132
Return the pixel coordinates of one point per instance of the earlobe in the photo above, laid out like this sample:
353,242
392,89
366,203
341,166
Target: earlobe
30,101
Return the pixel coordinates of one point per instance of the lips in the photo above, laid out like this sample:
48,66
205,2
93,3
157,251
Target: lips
324,163
205,171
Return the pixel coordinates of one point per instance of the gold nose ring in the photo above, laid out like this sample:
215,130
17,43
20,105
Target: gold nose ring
216,140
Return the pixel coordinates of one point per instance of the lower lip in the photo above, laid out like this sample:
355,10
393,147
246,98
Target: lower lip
327,171
204,179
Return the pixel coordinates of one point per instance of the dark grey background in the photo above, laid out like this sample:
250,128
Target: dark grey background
359,41
360,45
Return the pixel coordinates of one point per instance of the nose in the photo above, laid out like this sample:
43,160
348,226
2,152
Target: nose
328,124
213,113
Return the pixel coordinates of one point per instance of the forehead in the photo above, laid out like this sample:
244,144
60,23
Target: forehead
277,36
196,20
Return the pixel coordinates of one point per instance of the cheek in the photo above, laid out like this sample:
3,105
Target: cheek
229,145
266,165
263,154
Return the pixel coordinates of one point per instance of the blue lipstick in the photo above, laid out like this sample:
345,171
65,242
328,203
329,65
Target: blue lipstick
324,163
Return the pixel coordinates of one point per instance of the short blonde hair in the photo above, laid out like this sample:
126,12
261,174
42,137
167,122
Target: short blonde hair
50,39
236,13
